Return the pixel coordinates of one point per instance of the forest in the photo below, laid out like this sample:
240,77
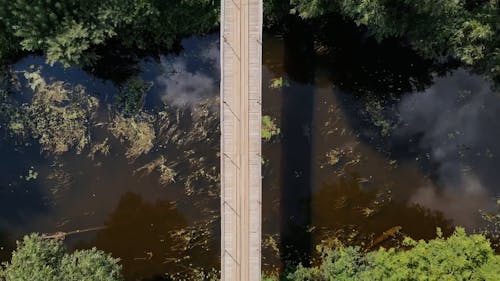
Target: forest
71,32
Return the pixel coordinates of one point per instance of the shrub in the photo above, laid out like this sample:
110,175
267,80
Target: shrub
40,259
459,257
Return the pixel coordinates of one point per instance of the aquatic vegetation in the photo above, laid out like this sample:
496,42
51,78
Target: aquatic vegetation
11,115
375,111
346,156
269,128
32,174
58,116
459,257
167,174
102,148
192,181
137,132
196,274
175,144
176,131
131,96
492,227
184,129
356,215
196,235
278,83
39,259
271,243
333,156
59,179
368,212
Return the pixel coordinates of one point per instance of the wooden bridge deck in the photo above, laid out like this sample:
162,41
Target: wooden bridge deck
241,62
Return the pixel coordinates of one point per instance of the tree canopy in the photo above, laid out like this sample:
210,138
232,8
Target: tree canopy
459,257
68,31
40,259
468,30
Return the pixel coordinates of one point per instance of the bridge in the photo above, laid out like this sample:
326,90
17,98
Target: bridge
241,181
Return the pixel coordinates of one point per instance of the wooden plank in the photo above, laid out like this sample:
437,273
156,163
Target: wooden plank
241,182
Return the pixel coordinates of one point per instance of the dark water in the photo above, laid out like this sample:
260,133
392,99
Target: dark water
372,137
155,228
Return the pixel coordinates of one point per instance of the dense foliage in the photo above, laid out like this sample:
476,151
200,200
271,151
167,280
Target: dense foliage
39,259
8,44
459,257
468,30
68,31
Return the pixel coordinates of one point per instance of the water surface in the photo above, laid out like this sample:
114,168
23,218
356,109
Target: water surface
372,137
154,227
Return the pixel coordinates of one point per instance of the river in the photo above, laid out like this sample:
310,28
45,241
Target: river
372,137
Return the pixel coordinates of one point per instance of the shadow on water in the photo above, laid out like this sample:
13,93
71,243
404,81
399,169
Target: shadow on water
296,121
20,200
140,234
358,64
143,227
7,245
118,63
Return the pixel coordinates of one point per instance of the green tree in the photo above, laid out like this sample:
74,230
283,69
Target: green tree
458,257
466,30
68,31
63,29
39,259
158,23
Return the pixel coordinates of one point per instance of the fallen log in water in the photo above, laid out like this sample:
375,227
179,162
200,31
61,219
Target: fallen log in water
384,236
61,235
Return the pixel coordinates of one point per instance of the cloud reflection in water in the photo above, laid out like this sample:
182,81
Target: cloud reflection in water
456,122
184,82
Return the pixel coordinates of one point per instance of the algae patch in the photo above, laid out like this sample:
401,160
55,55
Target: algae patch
278,83
269,128
167,174
59,116
137,132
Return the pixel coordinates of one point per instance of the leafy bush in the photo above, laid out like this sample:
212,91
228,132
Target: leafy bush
39,259
459,257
